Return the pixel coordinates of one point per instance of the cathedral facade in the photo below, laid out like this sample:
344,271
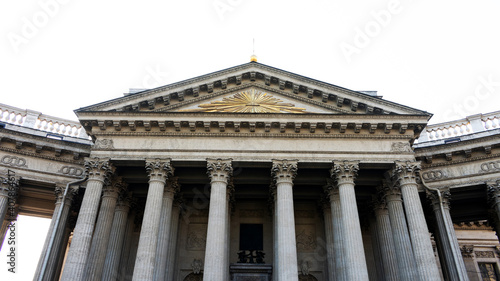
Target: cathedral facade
255,173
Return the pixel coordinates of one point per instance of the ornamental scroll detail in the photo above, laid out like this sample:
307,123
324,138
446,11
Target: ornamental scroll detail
251,101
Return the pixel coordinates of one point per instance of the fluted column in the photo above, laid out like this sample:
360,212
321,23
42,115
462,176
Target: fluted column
219,172
165,223
344,173
99,172
230,205
453,260
283,173
330,250
55,251
404,174
273,206
338,240
171,257
493,189
127,259
158,171
398,259
98,248
116,237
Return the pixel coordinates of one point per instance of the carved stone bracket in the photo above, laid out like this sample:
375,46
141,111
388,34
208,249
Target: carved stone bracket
159,169
345,171
284,171
467,251
99,169
219,170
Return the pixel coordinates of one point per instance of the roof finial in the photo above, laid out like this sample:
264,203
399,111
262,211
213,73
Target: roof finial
253,58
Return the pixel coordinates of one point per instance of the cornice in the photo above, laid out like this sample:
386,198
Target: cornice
9,133
437,149
460,161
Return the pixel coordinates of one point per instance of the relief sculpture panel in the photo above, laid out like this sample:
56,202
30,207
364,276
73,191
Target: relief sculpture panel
196,237
305,237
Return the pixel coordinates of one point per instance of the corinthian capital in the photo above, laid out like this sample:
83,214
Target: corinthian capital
345,171
219,170
99,169
284,170
433,197
159,169
493,189
405,172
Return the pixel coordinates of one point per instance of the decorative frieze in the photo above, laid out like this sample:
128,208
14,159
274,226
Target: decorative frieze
433,175
14,161
485,254
401,147
71,171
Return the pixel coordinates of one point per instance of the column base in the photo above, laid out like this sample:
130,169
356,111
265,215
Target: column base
249,271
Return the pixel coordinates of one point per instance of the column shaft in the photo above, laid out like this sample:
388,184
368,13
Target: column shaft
405,175
386,241
453,260
116,238
171,257
55,251
219,172
164,231
330,250
419,233
402,244
338,237
99,172
146,251
283,173
97,256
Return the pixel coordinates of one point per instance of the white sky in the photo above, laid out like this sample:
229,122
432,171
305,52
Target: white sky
436,56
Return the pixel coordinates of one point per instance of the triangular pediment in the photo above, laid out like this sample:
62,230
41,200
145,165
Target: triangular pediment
273,91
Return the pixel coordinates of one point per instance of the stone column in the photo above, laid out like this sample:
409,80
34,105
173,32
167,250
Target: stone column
230,206
338,240
402,244
158,171
273,206
55,251
283,172
127,257
171,257
164,232
116,237
493,189
344,173
330,250
219,171
98,248
404,174
452,256
99,172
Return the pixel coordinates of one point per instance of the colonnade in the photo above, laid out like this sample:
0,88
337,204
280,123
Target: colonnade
98,245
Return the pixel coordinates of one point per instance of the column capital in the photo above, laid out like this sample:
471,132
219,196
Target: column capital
405,172
391,191
116,186
344,171
159,169
434,198
493,189
59,192
99,169
172,187
284,170
219,170
331,188
125,200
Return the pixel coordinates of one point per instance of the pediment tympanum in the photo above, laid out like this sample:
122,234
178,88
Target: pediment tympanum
249,101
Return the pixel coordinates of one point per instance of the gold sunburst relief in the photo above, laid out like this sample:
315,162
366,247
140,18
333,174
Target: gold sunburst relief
249,102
